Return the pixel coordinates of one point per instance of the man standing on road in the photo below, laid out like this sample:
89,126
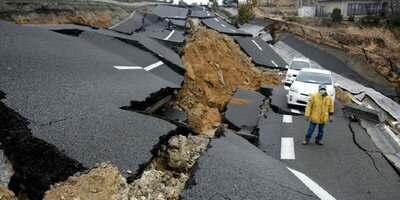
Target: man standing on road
319,110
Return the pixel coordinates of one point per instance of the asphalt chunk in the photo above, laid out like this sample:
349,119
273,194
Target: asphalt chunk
251,174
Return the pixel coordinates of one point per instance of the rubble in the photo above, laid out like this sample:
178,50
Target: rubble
5,169
6,194
102,182
168,172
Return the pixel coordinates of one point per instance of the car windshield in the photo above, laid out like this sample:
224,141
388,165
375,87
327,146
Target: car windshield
313,77
298,65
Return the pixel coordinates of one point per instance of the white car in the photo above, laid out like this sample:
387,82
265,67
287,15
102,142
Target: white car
294,68
307,82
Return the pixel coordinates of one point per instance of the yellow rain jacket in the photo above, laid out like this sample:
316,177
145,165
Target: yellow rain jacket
318,108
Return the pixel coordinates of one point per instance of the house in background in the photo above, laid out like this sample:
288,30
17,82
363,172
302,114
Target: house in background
353,7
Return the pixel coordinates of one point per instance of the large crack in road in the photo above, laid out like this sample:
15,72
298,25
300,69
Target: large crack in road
37,164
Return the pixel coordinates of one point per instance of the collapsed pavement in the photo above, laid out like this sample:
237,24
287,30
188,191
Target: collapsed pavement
215,69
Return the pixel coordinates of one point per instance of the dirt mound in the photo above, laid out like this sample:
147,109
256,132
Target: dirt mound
215,68
104,182
343,95
100,16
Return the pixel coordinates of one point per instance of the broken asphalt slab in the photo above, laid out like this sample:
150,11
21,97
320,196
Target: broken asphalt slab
70,93
260,52
172,12
170,35
243,111
130,24
279,104
252,29
139,57
222,26
232,168
137,39
178,23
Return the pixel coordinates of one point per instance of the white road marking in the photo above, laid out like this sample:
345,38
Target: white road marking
170,34
216,19
204,9
313,186
208,14
130,16
223,25
127,67
257,45
152,66
232,30
287,148
295,111
148,68
274,63
286,87
287,119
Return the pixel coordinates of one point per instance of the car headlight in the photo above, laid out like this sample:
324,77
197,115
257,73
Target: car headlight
294,89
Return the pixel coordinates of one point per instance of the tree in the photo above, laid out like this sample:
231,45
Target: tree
244,13
336,15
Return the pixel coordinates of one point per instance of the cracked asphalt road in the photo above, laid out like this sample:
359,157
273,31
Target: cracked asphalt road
340,166
71,94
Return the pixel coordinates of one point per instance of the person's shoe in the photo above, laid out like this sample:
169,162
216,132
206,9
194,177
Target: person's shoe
319,142
305,142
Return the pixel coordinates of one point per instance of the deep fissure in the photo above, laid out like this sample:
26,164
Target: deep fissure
37,164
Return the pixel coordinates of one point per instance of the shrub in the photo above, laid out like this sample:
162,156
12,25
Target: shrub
244,13
351,18
336,15
370,20
394,26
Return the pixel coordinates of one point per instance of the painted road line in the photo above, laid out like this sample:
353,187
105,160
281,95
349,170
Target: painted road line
295,111
313,186
170,34
274,63
130,16
208,13
216,19
287,119
257,45
204,9
223,25
127,67
287,148
285,87
232,30
152,66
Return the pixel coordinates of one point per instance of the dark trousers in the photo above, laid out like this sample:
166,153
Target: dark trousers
311,129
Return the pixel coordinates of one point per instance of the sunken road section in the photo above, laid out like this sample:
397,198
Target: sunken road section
37,164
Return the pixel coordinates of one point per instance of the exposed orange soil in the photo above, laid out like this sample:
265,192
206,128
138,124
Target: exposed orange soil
215,68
